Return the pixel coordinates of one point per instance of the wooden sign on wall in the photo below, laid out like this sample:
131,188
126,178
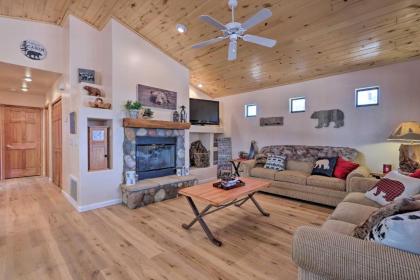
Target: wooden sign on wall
273,121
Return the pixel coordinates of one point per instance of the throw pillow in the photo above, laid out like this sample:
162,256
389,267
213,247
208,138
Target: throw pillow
399,206
416,174
393,185
343,168
324,166
399,231
276,162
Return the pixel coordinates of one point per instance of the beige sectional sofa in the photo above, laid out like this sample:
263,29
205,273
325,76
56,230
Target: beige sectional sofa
330,252
297,182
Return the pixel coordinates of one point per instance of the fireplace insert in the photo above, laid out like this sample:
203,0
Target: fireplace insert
155,156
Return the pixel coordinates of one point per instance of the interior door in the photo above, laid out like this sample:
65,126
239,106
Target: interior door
22,139
98,148
56,125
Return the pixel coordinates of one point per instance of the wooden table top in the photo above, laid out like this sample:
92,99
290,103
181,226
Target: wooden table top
216,197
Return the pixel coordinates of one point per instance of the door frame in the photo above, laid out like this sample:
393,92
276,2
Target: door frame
2,139
46,153
59,99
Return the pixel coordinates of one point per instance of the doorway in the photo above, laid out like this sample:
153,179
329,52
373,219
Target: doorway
21,141
56,122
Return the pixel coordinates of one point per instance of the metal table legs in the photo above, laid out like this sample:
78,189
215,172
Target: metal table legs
206,211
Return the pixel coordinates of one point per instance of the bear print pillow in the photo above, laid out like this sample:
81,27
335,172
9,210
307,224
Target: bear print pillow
325,166
393,185
399,231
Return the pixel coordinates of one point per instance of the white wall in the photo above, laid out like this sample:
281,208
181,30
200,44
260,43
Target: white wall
13,32
19,99
365,129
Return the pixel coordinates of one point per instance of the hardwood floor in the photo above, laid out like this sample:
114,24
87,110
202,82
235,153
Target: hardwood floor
43,237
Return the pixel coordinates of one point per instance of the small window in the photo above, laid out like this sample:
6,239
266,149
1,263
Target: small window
250,110
367,96
297,105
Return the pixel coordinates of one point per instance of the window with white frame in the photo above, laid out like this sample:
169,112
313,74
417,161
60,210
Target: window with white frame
367,96
250,110
297,105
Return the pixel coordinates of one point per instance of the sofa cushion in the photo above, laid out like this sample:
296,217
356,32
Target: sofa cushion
359,198
352,213
326,182
277,163
291,176
261,172
339,227
325,166
303,166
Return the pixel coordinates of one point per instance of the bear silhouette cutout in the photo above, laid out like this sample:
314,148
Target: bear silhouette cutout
391,189
327,116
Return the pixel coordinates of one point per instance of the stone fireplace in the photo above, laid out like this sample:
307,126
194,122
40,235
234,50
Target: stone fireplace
153,152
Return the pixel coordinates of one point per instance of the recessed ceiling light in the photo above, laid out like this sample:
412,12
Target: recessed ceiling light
28,79
24,89
200,85
181,28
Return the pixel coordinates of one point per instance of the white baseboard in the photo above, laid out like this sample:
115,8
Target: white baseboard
99,205
92,206
70,200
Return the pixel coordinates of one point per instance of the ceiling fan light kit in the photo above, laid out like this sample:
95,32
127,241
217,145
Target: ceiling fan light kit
235,30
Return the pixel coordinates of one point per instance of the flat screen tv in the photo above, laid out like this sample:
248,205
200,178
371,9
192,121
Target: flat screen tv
204,112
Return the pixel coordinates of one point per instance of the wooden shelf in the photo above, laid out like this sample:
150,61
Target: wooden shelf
142,123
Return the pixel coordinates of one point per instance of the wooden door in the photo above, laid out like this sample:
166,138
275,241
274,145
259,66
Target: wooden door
22,140
98,148
56,126
47,140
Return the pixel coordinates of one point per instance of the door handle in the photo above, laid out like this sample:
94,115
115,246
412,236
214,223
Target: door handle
106,156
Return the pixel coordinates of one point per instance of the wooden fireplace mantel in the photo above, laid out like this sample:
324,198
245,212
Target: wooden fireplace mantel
142,123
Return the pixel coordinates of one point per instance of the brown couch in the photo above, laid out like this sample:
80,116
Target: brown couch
296,181
330,252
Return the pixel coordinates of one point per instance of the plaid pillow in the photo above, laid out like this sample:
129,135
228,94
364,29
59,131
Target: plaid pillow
276,162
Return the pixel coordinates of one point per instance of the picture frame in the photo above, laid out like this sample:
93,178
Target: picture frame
156,97
86,76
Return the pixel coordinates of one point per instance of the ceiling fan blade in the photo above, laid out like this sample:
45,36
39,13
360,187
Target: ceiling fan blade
213,22
233,50
260,40
257,18
208,42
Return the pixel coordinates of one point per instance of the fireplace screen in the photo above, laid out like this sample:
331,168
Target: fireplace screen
155,156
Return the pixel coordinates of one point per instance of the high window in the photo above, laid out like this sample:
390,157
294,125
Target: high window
367,96
297,104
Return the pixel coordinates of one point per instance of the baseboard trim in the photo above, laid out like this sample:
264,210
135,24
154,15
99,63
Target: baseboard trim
99,205
70,200
90,206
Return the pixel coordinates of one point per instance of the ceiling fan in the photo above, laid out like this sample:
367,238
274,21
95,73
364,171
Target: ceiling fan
235,30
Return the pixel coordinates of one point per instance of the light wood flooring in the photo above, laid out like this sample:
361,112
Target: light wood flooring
43,237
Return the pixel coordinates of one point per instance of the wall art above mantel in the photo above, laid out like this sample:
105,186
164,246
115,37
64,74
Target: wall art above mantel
157,98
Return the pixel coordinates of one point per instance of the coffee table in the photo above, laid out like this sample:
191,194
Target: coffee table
220,199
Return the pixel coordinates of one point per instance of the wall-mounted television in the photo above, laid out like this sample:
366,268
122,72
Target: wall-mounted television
204,112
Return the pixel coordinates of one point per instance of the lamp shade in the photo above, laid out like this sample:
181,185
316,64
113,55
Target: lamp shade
406,132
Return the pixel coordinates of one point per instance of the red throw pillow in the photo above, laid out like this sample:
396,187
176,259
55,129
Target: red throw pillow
343,168
416,174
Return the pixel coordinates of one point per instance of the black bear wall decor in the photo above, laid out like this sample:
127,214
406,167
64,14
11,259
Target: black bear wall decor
325,117
33,50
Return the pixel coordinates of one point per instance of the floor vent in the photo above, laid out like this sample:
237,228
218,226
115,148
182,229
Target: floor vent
73,188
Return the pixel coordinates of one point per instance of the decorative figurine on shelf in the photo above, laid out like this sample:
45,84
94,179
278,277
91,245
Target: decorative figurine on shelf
92,91
99,103
175,116
183,114
148,113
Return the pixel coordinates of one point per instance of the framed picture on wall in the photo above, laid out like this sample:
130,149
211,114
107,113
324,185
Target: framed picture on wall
86,76
155,97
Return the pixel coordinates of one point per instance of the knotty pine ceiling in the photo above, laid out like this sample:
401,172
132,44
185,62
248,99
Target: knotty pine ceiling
315,37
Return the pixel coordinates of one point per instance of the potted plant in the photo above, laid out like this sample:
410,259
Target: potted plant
133,108
148,113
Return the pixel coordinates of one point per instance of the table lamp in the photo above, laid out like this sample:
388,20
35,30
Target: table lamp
409,134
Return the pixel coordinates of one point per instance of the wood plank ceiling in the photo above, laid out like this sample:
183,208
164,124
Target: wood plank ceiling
315,37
